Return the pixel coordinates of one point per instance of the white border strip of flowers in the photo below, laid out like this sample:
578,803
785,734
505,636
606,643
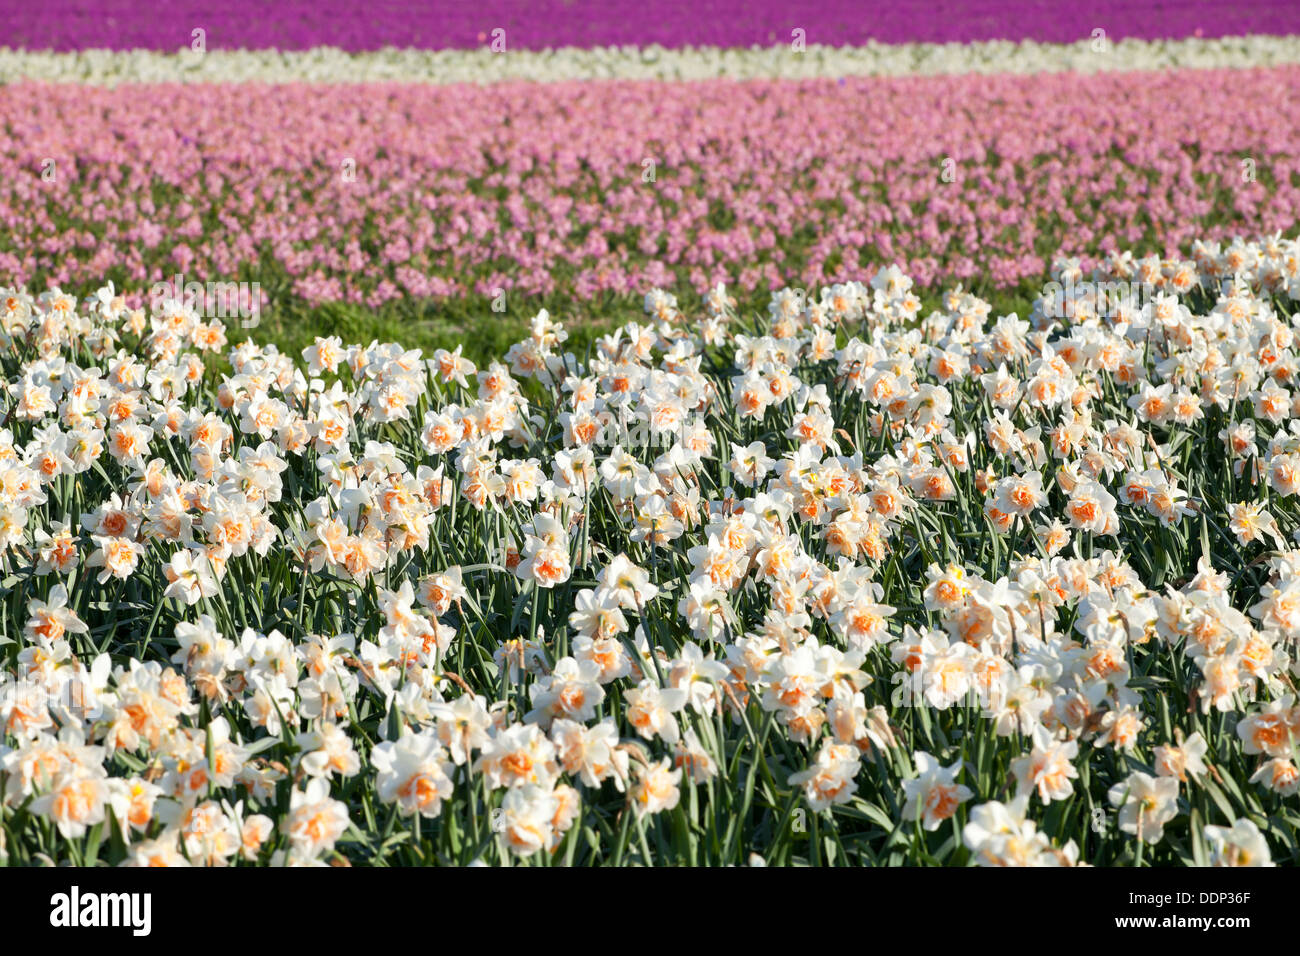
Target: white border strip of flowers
792,61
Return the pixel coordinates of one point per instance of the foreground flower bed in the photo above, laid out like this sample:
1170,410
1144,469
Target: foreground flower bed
539,24
841,584
400,193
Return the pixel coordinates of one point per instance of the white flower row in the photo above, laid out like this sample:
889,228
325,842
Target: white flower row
331,65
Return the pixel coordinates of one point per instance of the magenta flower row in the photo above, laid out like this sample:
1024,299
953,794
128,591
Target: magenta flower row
538,24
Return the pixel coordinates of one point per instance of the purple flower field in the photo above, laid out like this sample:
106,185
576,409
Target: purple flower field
536,24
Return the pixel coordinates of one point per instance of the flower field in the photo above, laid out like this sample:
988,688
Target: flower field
402,194
853,585
594,454
540,24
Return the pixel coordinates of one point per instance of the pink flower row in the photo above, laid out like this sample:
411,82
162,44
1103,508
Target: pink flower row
379,192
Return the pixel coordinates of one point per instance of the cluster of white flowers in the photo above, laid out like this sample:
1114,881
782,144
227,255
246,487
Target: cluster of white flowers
331,65
953,561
